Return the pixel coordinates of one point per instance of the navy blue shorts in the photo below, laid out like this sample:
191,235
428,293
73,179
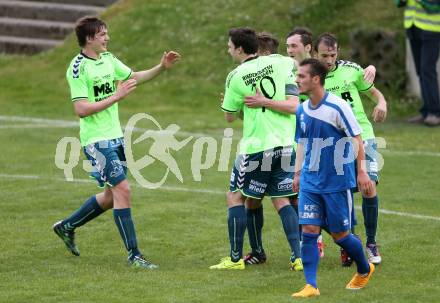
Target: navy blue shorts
353,214
333,210
108,161
264,173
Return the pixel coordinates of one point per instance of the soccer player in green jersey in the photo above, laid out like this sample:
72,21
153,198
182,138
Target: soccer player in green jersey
93,75
299,46
265,163
346,79
267,46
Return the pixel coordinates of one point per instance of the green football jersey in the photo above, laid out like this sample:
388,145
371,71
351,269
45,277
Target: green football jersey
95,80
346,81
263,129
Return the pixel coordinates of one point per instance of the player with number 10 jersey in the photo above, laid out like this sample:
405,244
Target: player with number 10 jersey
262,129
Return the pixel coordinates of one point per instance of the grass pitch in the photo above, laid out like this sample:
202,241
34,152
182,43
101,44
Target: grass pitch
182,226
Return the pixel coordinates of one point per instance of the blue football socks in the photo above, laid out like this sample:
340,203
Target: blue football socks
88,211
125,226
291,228
255,222
310,257
370,210
353,246
236,228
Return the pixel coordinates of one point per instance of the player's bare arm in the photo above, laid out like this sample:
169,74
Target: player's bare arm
370,73
84,108
231,117
287,106
365,185
298,166
167,61
380,110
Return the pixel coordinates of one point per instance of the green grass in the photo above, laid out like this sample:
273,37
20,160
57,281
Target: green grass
179,226
140,32
185,232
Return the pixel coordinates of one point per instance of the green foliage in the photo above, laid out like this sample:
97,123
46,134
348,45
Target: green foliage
347,19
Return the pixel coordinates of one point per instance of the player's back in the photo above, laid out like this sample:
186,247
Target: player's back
263,128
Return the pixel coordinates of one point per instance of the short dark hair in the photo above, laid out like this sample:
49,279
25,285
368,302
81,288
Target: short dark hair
245,38
267,43
328,39
305,34
316,69
88,27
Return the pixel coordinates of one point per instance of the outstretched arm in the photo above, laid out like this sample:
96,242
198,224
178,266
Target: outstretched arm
167,61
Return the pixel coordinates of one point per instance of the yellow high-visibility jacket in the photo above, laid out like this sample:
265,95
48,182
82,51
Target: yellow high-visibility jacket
416,15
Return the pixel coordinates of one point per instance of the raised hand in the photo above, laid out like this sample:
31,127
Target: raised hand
169,58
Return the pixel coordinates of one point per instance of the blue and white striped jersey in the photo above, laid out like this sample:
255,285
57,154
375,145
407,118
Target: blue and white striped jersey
326,133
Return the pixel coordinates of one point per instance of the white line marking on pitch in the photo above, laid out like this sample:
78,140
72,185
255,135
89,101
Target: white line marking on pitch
409,153
23,126
38,120
164,187
203,191
53,123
